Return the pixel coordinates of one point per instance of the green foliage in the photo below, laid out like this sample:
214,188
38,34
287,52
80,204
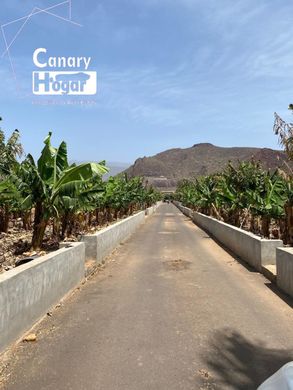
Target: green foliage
61,195
50,183
9,195
237,193
9,152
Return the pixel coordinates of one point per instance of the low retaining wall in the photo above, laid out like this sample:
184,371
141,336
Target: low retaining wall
285,270
185,210
101,244
30,290
151,210
253,249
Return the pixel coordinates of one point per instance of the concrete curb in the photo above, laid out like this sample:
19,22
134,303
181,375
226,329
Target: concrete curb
256,251
151,210
29,291
285,270
99,246
102,243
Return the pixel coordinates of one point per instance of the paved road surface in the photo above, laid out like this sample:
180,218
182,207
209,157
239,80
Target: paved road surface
172,310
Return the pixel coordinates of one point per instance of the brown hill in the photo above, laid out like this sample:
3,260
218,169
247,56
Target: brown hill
166,168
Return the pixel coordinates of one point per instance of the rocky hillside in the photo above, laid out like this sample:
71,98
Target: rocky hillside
166,168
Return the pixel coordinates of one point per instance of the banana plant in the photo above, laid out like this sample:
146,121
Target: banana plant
270,202
50,179
85,202
10,150
9,199
235,185
238,193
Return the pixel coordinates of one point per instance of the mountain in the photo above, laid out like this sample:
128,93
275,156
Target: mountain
115,168
165,169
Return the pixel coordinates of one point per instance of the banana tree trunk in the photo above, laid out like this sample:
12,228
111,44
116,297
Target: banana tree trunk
236,216
216,213
56,228
72,224
265,226
283,230
4,219
64,224
289,223
90,219
26,220
97,216
104,220
254,224
108,214
40,224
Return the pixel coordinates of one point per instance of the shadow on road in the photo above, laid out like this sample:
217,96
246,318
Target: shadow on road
280,294
241,364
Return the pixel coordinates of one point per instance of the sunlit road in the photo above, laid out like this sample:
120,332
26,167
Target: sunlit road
171,310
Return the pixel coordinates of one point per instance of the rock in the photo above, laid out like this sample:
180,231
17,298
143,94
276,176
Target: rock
30,337
34,253
204,373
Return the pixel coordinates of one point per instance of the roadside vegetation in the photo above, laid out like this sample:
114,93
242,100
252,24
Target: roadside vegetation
246,195
49,200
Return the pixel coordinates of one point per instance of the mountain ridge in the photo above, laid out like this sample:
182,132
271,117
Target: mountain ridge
165,168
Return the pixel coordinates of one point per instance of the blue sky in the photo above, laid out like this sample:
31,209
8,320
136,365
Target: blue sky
171,73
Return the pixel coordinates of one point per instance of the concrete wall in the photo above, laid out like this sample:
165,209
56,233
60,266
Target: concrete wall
185,210
285,270
254,250
101,244
151,210
30,290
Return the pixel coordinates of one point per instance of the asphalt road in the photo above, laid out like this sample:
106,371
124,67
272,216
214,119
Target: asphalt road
171,310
